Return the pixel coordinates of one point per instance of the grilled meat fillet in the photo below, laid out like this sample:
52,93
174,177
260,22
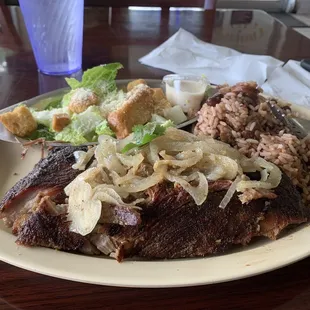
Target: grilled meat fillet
49,176
174,227
46,225
170,225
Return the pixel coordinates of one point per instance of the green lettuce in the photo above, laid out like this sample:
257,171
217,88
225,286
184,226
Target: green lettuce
68,134
143,134
100,79
45,117
66,99
42,132
54,104
82,128
104,129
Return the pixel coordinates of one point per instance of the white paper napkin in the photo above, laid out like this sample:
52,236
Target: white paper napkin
184,53
290,83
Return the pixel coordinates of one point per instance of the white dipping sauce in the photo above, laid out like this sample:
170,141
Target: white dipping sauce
186,93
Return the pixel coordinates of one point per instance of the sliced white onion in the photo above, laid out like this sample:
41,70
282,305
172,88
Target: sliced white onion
105,154
199,193
275,174
82,158
83,211
188,161
152,153
137,186
272,181
220,167
264,175
243,185
230,193
93,176
84,216
109,195
178,157
131,161
102,187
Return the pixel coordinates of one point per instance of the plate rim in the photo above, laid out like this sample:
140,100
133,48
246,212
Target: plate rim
151,274
144,282
20,256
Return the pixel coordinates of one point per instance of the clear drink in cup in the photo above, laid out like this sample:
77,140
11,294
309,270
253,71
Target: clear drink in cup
55,29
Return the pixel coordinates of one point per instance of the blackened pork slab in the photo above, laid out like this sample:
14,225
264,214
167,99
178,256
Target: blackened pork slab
49,176
46,225
174,227
170,225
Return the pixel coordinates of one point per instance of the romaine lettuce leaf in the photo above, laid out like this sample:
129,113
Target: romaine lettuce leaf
54,104
144,134
42,132
66,99
45,117
68,134
82,128
104,129
87,121
100,79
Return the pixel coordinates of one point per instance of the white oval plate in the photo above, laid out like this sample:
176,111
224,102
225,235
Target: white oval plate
260,257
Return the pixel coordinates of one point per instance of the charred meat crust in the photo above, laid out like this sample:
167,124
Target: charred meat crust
46,228
174,227
170,225
51,173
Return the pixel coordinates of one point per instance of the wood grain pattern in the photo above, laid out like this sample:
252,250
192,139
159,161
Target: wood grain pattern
125,36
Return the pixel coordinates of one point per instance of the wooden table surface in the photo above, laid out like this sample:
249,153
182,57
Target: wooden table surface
125,35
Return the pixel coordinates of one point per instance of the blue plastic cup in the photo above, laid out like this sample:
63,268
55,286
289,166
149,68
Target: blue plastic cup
55,29
49,83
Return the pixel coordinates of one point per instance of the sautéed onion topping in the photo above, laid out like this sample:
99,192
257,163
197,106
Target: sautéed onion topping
178,157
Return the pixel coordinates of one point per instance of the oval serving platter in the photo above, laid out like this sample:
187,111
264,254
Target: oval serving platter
259,257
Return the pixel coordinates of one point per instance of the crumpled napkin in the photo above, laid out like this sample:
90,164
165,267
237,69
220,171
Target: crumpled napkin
290,83
183,53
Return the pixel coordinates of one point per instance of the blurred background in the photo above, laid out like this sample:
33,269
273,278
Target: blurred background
244,28
299,6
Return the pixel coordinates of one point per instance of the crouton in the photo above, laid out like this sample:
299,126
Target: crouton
20,122
137,109
160,101
158,94
81,99
60,121
134,83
